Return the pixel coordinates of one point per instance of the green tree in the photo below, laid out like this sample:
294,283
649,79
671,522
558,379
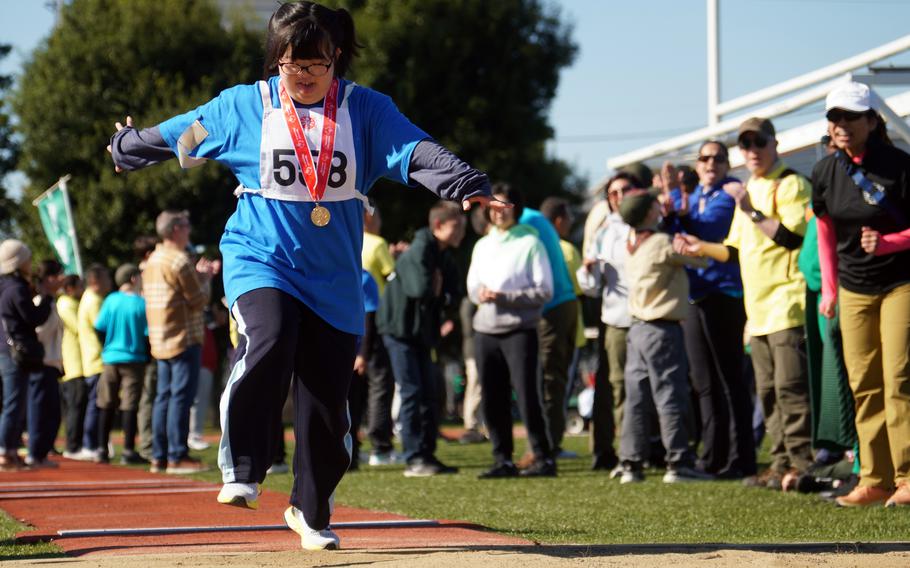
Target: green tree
479,77
107,59
8,150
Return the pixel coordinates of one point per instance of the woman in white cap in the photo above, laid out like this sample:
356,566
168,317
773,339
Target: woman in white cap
861,197
20,351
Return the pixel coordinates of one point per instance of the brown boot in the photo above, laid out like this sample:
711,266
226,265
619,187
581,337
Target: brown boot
862,496
767,479
901,497
10,462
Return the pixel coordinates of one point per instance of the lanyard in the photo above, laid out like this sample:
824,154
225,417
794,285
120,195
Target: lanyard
317,177
873,193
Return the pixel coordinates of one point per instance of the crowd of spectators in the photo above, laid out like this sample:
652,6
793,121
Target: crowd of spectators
784,297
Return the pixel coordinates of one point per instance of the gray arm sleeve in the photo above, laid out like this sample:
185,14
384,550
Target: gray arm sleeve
135,149
445,174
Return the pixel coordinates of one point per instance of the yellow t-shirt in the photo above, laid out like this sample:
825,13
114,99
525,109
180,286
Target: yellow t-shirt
68,310
774,290
89,344
573,261
376,259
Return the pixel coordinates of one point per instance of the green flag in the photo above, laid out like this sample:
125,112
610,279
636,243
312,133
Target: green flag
57,219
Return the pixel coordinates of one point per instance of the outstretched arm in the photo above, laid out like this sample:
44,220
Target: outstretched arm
449,177
134,149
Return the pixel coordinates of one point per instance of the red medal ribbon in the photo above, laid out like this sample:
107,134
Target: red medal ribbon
315,177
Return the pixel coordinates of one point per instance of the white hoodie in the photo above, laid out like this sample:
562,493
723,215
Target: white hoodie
515,264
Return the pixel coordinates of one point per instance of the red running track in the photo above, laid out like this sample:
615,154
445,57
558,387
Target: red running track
79,496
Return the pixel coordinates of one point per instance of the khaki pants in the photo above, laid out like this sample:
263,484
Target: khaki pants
557,343
472,396
876,334
782,384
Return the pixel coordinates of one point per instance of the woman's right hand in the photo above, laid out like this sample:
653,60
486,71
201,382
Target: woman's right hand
129,123
828,306
870,240
689,245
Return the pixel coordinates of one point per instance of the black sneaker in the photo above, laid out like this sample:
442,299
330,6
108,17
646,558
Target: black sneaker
604,462
132,458
540,468
442,468
500,470
472,437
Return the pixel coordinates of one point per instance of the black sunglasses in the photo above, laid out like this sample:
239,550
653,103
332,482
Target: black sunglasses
836,115
718,158
746,142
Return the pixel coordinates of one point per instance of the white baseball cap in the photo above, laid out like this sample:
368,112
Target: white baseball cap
855,97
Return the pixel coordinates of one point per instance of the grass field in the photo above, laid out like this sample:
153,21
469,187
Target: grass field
584,507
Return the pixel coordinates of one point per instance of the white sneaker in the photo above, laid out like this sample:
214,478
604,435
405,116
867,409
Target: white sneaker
197,443
310,539
387,458
86,455
684,474
281,467
240,495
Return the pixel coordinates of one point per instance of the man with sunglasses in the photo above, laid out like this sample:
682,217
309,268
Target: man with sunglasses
766,235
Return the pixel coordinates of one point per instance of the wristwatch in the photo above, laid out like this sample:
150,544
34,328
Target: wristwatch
756,216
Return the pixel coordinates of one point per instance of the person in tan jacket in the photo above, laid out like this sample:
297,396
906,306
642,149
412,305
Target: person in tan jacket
656,365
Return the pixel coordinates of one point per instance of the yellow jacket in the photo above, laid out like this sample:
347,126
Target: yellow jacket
68,310
89,344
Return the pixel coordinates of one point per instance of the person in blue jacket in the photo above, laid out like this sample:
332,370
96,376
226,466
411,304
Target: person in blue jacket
305,145
713,330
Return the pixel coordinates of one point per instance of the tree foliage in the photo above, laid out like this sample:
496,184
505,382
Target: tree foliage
8,149
107,59
479,77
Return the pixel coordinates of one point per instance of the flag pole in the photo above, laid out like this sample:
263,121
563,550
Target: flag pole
44,193
71,221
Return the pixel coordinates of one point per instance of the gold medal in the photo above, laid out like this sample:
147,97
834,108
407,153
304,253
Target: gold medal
320,216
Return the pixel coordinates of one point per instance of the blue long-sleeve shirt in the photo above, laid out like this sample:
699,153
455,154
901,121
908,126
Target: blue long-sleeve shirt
710,216
563,291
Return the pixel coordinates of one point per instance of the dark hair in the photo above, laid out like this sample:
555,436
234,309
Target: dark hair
95,273
689,176
631,178
71,281
721,145
444,211
144,245
880,132
48,268
312,31
512,195
554,207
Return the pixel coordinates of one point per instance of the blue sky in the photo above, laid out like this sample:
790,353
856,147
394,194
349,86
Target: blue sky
640,75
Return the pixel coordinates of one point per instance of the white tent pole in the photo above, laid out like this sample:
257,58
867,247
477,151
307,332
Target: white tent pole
833,70
713,62
722,128
894,120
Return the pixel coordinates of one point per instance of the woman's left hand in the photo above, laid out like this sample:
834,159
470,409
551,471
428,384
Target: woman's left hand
484,201
119,127
869,240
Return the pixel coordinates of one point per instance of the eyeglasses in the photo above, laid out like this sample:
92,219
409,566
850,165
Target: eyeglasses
836,115
314,69
746,142
718,158
620,190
